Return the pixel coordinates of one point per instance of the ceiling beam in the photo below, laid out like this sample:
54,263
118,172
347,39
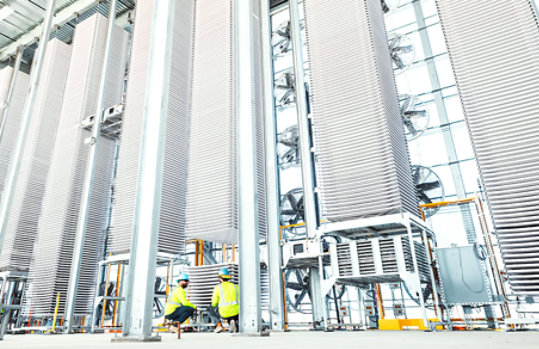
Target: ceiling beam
61,18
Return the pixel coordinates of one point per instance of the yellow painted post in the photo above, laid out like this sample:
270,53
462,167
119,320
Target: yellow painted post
55,314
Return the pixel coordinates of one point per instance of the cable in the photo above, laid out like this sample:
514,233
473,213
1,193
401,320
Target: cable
462,276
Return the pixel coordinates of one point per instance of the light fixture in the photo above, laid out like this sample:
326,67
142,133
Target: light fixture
5,12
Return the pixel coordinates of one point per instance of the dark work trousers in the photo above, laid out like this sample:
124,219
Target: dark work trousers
215,317
180,314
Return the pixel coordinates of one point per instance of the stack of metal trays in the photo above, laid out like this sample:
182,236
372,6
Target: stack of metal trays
421,256
388,256
212,184
25,210
363,165
11,124
203,280
494,50
365,257
172,220
344,259
51,266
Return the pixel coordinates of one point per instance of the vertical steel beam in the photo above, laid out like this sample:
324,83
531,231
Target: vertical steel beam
307,174
416,271
249,253
4,321
275,258
16,158
138,313
7,105
82,221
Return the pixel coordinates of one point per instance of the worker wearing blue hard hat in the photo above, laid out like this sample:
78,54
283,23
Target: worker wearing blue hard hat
178,308
226,298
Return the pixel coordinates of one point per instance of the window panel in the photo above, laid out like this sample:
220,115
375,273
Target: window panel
454,109
444,71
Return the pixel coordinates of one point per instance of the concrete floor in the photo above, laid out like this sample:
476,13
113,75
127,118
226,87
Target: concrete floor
296,340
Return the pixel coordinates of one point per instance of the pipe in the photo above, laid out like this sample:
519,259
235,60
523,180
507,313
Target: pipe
80,233
26,118
117,294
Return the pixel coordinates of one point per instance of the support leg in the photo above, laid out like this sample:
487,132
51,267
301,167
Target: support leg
416,271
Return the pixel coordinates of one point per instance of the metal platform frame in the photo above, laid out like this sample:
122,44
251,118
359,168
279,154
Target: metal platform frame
9,280
386,226
122,261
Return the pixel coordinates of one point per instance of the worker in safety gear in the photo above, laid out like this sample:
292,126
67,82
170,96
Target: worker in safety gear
178,308
226,297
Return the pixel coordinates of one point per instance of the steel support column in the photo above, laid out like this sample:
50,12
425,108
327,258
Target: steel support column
16,68
138,313
307,173
249,253
272,175
24,127
80,233
416,271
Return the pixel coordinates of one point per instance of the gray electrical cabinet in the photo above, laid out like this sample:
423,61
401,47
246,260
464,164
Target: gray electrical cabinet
463,276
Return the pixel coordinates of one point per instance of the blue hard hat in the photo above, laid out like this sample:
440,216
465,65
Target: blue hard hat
224,273
183,277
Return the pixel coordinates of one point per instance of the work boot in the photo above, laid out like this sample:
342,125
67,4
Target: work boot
174,329
218,328
233,327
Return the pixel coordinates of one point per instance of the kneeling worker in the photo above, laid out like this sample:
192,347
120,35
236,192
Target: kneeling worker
178,308
226,296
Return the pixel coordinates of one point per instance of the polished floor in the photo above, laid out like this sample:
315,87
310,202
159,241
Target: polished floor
296,340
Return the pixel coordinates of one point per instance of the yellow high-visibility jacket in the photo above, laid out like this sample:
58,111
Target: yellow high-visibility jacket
177,299
226,295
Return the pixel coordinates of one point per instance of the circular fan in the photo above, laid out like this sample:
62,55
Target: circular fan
402,52
298,296
292,211
285,90
429,187
288,147
389,5
414,116
160,287
280,39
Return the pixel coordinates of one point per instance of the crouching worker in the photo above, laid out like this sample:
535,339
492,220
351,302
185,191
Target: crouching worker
178,308
226,297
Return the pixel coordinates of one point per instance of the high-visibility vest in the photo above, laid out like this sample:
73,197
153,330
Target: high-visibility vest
226,296
177,299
